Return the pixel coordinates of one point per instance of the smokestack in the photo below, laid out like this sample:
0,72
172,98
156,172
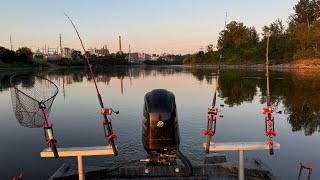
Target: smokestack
120,51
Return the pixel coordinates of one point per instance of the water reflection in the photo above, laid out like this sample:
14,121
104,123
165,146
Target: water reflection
301,101
237,87
298,93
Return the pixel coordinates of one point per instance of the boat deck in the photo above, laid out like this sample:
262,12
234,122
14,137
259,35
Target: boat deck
254,169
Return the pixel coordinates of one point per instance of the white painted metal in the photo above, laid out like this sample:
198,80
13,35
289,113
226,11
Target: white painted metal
241,147
79,152
236,146
80,168
241,166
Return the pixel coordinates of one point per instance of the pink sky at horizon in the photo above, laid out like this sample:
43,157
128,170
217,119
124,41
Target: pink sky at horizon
172,27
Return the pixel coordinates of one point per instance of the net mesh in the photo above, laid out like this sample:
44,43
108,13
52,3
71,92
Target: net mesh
27,92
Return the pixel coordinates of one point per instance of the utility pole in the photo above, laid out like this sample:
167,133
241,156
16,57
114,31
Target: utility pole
129,58
11,44
61,51
120,51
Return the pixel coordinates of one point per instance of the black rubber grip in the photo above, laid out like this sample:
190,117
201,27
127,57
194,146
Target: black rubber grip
54,149
271,151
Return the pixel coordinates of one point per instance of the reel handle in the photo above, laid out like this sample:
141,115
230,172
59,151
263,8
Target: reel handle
108,111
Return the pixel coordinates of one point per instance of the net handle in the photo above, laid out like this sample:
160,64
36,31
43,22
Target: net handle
11,83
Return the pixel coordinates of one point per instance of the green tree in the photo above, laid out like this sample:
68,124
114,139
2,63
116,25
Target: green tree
239,43
306,11
76,55
281,45
25,54
7,55
237,35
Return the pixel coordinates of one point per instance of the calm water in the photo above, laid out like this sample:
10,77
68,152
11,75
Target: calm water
76,119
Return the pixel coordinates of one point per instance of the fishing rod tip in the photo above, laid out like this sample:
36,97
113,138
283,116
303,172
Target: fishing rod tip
66,15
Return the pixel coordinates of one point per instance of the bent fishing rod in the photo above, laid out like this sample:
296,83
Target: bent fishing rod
105,122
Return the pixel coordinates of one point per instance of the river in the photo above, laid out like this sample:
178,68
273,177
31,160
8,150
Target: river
77,122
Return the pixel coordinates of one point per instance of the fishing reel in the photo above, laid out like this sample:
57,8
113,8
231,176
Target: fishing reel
269,110
215,111
269,120
269,125
106,112
212,122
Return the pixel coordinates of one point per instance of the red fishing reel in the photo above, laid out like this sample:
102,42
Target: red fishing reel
108,111
212,122
105,122
269,110
215,111
269,125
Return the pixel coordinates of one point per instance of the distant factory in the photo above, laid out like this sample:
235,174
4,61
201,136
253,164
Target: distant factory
69,53
99,52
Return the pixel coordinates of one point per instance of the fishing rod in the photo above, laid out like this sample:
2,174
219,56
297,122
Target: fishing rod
309,168
269,119
20,177
213,111
105,122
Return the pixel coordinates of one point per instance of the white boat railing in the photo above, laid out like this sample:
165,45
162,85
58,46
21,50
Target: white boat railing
79,152
241,147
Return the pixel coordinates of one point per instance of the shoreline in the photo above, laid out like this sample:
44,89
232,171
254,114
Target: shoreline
277,67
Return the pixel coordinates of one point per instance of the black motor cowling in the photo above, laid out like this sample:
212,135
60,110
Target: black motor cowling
160,131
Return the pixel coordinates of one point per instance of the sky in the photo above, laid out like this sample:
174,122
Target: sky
163,26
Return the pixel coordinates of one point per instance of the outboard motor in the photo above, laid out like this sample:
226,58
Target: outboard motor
160,130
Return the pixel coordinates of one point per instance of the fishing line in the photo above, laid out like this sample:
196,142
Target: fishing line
104,112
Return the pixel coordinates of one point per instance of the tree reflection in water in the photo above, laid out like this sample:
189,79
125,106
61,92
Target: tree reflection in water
299,93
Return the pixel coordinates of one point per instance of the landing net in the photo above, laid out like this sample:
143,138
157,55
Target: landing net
28,92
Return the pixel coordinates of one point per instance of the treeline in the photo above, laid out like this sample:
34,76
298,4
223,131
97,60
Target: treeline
239,44
24,56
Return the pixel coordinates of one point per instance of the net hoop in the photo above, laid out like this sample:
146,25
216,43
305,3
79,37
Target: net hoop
28,92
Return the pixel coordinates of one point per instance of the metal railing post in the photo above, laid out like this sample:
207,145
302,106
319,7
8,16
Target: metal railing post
80,168
241,166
